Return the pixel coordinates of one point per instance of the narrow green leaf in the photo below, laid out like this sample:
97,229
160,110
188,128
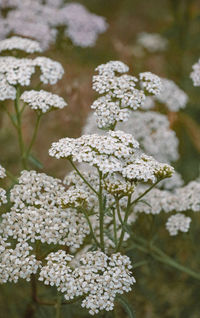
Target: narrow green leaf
35,161
126,306
145,202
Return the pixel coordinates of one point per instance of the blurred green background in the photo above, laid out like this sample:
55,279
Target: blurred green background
160,291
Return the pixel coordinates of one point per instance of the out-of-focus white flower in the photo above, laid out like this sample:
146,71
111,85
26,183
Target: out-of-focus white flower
2,172
195,74
171,95
82,27
151,83
3,197
178,222
152,42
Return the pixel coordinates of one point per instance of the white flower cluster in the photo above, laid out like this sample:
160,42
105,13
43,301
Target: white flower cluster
83,27
114,152
171,95
120,92
150,82
19,71
98,278
152,42
195,74
16,263
104,152
37,213
2,172
18,43
51,71
147,169
178,222
176,181
42,100
7,91
3,197
39,31
39,20
151,129
186,198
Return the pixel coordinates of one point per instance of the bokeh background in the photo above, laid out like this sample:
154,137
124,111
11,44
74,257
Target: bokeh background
160,291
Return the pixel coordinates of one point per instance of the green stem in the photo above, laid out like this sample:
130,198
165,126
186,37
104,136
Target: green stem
58,307
114,227
11,176
82,177
124,223
118,210
143,194
34,135
101,212
90,226
19,128
162,257
10,116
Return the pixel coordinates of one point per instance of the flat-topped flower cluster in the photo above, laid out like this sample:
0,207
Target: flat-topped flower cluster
41,20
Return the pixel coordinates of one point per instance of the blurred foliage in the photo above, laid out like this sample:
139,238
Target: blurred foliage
160,291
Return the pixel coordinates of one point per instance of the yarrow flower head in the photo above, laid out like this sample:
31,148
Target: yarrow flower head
2,172
16,263
152,42
97,277
38,214
39,20
151,129
19,43
19,71
178,222
3,197
120,92
195,74
104,152
151,83
83,27
146,168
171,95
43,101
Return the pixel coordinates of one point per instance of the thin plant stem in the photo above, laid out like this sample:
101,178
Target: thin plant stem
159,255
58,307
114,227
124,223
118,210
19,128
144,193
90,226
11,176
101,212
83,178
34,135
10,116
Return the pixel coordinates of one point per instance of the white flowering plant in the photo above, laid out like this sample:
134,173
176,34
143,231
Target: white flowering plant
75,234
